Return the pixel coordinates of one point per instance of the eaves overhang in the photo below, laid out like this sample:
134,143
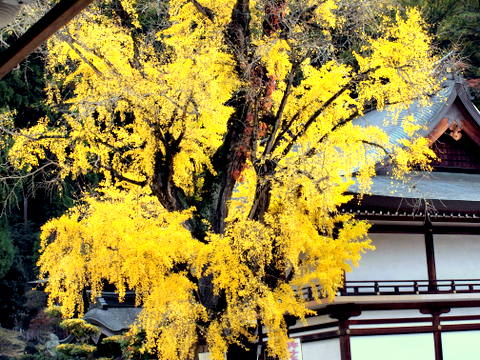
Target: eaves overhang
380,207
52,21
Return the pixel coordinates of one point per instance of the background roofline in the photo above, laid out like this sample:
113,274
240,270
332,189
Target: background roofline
39,32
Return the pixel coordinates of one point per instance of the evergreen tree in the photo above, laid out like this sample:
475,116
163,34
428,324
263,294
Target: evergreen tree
455,26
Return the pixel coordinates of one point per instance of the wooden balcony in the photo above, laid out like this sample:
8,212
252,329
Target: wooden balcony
403,287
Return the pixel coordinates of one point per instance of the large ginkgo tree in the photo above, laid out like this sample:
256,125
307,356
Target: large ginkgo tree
224,136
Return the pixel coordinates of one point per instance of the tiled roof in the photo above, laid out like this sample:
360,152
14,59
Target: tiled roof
422,185
425,116
435,185
112,320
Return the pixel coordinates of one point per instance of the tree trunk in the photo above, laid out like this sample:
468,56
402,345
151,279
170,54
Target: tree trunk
249,352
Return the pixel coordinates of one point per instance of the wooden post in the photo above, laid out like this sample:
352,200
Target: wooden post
342,313
436,311
430,253
437,336
344,337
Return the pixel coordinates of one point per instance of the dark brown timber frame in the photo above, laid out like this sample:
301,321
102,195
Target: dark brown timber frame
52,21
344,326
341,327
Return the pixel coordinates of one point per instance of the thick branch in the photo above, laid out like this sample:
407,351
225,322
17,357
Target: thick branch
232,155
205,11
120,177
128,23
69,38
163,187
238,35
319,111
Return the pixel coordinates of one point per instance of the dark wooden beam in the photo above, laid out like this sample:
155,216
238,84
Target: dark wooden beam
420,229
320,336
344,336
330,324
52,21
336,308
398,330
437,337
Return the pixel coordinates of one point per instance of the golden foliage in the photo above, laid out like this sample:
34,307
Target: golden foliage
134,100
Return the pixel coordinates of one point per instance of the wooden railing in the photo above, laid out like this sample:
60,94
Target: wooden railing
350,288
402,287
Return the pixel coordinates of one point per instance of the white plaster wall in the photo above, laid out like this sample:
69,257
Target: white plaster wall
397,257
321,350
457,256
393,347
460,345
475,311
390,314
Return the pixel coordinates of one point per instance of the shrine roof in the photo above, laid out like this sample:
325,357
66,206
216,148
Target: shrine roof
448,188
425,115
424,185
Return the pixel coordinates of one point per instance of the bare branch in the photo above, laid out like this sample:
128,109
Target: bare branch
283,104
30,137
378,146
80,55
314,117
28,175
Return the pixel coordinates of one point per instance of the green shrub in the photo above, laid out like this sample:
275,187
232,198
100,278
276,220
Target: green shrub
80,329
76,350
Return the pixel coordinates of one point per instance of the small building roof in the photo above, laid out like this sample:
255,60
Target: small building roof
112,321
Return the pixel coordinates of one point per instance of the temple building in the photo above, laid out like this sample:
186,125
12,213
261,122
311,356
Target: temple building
417,296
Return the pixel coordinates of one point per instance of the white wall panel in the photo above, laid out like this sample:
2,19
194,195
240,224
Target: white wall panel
460,345
397,257
321,350
474,311
457,256
390,314
393,347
